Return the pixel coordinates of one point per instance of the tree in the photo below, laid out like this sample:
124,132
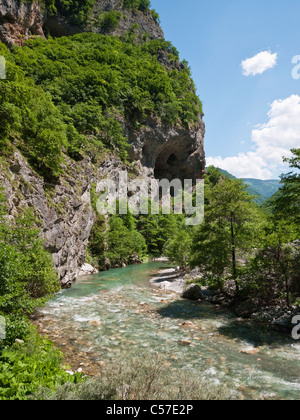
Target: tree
157,229
123,243
231,227
272,276
178,248
287,203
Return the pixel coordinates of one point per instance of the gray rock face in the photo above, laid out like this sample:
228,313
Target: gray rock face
145,20
165,151
64,210
20,20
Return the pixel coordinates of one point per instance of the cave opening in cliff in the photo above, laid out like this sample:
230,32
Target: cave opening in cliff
167,166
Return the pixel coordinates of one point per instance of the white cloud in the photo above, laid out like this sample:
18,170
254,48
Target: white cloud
258,64
272,141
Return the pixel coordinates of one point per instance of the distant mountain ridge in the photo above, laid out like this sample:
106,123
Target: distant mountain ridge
263,189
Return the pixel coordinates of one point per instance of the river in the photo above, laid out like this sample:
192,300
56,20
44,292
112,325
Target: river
118,314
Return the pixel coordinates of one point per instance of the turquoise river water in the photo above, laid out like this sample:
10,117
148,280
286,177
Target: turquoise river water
118,314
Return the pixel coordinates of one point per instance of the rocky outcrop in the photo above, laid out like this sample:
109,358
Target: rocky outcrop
87,270
20,21
144,22
166,151
64,208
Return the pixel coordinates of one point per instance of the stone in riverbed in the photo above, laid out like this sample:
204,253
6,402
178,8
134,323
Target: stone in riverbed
86,270
251,351
185,343
193,292
188,324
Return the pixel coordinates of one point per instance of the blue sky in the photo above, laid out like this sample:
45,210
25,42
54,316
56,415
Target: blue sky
251,120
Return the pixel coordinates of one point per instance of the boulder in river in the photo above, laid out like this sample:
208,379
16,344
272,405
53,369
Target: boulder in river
86,270
193,292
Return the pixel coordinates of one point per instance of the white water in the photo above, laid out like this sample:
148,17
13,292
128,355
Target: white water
117,314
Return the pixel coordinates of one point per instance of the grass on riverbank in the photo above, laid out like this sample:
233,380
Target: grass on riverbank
147,377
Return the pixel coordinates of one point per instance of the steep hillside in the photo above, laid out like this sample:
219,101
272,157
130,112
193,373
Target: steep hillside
77,109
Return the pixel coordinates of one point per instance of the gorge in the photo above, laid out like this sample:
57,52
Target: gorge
159,148
92,89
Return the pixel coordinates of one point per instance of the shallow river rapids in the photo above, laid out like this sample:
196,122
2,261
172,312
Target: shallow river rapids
118,314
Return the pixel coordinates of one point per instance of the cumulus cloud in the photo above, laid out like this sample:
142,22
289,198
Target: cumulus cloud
258,64
272,140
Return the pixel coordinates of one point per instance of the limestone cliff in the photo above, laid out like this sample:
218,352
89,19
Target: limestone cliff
64,209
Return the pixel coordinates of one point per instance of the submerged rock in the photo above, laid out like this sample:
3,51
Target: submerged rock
185,343
251,351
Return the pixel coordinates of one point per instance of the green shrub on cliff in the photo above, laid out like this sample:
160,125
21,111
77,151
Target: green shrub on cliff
77,11
142,5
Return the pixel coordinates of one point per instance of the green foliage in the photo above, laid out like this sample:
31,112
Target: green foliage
116,241
27,277
109,21
178,248
72,95
142,5
262,256
24,368
123,243
121,238
157,230
77,11
287,202
31,121
117,77
26,272
231,227
273,274
264,189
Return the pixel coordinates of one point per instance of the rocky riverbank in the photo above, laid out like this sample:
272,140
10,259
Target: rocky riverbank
278,316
